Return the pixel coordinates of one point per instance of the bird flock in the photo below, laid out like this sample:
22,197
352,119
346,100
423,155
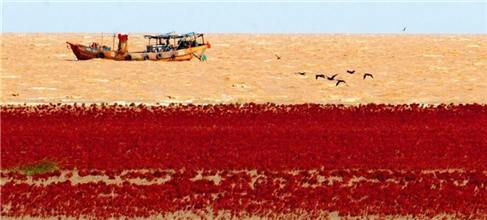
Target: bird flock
332,77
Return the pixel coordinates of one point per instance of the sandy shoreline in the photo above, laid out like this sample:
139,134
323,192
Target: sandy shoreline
428,69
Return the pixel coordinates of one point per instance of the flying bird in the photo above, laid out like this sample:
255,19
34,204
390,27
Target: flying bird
320,75
332,77
340,81
16,94
301,73
278,57
368,74
404,29
351,71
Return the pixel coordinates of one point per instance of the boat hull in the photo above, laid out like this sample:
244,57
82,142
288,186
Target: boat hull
82,52
85,53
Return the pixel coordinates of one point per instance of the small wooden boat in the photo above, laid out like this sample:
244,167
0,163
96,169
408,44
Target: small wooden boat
184,47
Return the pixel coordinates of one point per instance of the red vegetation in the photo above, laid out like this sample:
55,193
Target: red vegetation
389,146
228,137
357,193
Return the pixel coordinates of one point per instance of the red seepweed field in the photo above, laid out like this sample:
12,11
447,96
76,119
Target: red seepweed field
253,160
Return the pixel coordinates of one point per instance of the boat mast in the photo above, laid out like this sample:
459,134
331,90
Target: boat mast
113,46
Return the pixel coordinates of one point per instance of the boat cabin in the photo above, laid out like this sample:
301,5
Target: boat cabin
173,41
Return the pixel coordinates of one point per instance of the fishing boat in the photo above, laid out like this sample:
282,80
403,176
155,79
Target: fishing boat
165,47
